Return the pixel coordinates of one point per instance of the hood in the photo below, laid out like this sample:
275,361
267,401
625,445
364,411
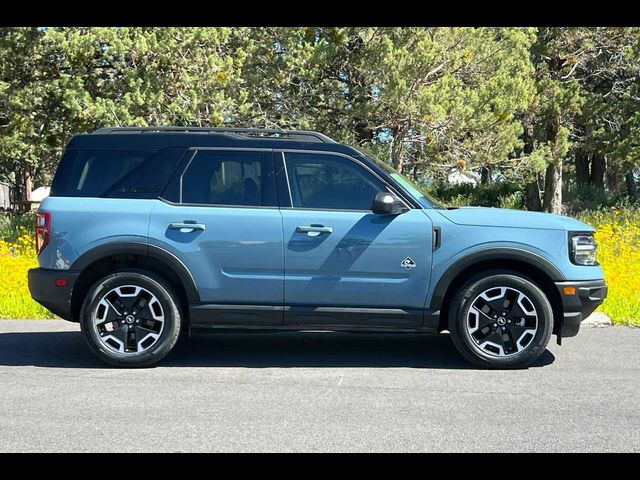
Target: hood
502,217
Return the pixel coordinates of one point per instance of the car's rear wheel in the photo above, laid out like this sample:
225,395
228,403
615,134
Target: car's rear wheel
500,320
131,318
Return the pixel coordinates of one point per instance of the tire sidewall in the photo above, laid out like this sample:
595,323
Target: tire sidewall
168,301
460,309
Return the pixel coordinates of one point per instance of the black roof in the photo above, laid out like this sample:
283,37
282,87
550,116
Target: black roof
155,138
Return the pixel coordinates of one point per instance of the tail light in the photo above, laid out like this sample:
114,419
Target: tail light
43,230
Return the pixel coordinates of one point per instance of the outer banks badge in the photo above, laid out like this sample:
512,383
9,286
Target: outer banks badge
408,263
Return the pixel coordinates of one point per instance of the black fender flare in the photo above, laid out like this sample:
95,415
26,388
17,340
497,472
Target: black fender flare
145,250
495,253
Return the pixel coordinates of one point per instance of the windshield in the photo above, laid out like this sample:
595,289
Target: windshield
416,191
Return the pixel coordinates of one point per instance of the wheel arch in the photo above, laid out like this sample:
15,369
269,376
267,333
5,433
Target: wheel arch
105,259
538,269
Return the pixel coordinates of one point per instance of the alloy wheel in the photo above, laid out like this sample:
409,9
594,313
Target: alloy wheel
501,321
128,319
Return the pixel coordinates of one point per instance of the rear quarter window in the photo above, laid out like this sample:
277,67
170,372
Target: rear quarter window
115,173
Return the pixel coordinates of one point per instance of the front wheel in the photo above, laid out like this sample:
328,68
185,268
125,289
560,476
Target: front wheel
131,318
500,320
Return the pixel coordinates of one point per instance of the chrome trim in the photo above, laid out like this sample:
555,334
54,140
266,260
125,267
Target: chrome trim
286,176
184,170
210,205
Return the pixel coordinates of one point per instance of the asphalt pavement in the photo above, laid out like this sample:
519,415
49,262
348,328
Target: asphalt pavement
316,392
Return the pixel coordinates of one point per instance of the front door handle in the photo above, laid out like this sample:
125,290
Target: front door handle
314,229
187,226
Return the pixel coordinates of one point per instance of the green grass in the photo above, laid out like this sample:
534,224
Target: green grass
10,224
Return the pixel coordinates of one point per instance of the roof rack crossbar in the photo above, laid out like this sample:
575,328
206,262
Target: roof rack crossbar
290,134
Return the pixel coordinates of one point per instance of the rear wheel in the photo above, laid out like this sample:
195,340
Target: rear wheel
131,318
500,320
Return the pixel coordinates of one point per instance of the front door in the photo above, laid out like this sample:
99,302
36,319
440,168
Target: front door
222,221
345,265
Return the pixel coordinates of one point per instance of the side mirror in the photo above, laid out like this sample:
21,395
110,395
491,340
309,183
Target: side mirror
385,203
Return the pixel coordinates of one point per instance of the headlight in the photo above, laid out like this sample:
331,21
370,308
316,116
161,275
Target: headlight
583,249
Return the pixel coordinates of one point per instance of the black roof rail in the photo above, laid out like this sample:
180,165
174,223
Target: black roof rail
303,135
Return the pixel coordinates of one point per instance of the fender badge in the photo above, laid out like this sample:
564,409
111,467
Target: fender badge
408,263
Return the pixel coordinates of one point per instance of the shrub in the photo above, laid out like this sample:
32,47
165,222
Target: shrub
513,200
618,237
13,225
577,199
497,194
16,258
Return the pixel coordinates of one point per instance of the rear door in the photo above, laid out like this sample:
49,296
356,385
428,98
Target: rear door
220,217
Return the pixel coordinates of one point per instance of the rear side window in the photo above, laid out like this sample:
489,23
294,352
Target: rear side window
115,173
235,178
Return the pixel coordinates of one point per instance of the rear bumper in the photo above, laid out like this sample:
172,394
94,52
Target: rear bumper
576,307
43,289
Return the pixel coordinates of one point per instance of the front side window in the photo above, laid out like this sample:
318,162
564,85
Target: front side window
330,182
235,178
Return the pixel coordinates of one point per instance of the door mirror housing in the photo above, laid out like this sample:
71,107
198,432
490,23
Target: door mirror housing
386,203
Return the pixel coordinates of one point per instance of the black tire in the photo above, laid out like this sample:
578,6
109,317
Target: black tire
459,316
169,332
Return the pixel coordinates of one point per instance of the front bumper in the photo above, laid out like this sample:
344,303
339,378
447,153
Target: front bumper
43,289
578,306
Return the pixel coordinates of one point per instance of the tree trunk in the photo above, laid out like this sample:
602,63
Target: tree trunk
613,180
485,175
415,172
362,131
27,186
532,189
631,185
398,160
533,196
553,189
582,167
26,182
397,150
552,201
23,185
18,190
598,169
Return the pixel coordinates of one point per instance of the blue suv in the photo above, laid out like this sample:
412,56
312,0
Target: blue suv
150,232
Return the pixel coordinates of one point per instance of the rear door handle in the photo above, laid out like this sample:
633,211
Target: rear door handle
314,229
187,226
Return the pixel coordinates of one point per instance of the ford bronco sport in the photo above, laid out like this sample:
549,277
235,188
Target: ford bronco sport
149,232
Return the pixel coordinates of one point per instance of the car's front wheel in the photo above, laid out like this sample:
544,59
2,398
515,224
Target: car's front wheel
500,319
131,318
